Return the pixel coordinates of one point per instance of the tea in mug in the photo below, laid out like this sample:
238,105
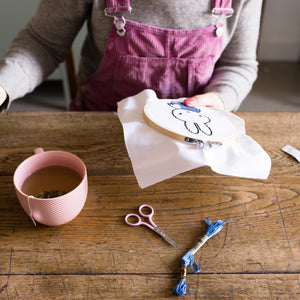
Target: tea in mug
50,182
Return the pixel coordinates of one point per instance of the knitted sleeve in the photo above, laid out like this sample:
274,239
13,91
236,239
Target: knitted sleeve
38,49
236,70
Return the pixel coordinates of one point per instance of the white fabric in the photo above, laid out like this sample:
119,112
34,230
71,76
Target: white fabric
156,157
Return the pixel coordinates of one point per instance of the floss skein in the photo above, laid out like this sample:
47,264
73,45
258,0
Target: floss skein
188,258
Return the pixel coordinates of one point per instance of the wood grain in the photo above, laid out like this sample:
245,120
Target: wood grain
97,138
149,286
98,256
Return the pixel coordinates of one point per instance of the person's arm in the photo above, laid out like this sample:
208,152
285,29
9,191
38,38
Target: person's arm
38,49
236,70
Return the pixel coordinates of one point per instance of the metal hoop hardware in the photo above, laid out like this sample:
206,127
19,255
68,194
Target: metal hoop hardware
108,11
201,144
120,26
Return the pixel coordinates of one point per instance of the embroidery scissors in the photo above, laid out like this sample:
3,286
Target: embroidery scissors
152,225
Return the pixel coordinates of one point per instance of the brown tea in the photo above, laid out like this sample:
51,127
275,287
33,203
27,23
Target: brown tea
51,182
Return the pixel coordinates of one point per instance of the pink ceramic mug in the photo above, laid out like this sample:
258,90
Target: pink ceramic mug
58,210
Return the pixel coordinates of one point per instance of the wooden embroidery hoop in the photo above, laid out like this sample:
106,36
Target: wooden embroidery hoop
205,127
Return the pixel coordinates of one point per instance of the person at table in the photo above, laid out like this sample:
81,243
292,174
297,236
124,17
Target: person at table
202,50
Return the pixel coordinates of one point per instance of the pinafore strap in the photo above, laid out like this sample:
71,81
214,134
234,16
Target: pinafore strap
223,7
115,6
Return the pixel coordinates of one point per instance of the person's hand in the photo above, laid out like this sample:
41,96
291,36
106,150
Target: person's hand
208,100
3,95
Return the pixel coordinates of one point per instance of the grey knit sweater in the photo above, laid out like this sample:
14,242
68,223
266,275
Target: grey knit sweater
38,49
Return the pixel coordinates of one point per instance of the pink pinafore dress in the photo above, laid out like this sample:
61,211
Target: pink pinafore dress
173,63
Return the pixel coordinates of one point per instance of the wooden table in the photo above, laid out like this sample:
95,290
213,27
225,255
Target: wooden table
98,256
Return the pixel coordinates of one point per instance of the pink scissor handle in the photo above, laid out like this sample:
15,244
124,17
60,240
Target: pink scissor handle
139,221
143,214
149,216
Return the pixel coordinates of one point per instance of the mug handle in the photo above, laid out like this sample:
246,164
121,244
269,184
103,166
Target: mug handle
38,150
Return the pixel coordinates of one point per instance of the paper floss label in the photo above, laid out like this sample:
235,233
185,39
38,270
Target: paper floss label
292,151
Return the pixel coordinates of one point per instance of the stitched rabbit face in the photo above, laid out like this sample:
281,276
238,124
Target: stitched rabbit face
193,120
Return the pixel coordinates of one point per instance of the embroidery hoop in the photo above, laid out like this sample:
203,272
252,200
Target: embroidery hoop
205,127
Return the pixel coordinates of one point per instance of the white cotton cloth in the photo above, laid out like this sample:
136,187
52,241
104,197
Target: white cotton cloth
156,157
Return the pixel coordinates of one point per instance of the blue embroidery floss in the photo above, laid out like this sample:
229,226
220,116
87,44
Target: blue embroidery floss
188,258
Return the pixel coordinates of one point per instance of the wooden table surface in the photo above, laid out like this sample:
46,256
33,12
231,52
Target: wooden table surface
98,256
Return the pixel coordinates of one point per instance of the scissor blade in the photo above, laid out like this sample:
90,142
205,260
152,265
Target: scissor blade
165,237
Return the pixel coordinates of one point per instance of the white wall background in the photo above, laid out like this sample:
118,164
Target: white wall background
280,31
279,41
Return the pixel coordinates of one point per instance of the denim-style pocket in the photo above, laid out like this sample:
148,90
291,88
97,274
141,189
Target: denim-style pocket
168,77
129,75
